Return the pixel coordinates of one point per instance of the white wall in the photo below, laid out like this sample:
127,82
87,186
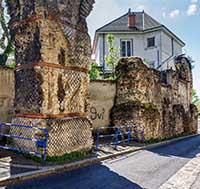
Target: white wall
153,54
101,101
99,51
167,50
139,46
177,49
158,54
166,46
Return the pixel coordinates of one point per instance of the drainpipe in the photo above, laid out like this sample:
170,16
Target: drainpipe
143,19
172,46
158,57
160,48
104,52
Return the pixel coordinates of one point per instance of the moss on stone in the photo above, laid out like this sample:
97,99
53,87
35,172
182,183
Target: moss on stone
149,106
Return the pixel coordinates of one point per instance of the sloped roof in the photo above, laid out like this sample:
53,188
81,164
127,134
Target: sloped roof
143,22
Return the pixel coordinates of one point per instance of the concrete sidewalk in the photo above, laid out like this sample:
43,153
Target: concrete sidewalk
186,178
20,169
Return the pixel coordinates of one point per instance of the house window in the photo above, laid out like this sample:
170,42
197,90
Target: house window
126,48
151,42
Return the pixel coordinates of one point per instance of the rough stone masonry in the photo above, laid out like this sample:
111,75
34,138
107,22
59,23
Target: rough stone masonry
53,51
160,102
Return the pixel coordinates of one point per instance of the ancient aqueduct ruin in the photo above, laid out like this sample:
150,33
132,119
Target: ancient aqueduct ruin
52,85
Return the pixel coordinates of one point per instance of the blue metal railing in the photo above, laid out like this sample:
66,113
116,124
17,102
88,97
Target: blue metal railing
40,143
117,132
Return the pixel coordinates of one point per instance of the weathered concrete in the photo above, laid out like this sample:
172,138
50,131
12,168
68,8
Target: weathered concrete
101,100
6,94
160,102
53,51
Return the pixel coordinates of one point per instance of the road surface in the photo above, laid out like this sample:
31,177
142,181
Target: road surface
147,169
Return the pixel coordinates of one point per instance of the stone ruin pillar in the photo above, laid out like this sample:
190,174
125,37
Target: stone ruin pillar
147,100
52,49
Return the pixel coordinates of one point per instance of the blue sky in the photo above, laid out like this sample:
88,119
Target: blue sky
180,16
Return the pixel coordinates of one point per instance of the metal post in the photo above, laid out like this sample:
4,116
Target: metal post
1,127
129,135
116,138
45,149
44,154
97,139
43,160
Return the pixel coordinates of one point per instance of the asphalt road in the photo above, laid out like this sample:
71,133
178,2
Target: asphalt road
144,169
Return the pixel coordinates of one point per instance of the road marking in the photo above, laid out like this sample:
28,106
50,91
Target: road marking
185,177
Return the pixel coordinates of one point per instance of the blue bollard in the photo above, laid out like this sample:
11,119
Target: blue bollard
129,135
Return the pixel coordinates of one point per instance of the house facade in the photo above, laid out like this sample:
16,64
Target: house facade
138,34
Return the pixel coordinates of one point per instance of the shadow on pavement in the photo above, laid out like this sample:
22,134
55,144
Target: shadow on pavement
17,158
186,148
92,177
6,170
8,158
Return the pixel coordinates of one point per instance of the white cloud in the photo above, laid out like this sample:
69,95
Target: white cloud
174,13
104,12
140,8
164,14
194,1
192,9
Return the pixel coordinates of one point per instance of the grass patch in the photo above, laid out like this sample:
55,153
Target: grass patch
153,141
69,156
66,157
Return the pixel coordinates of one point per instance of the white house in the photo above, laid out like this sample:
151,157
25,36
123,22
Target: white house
138,34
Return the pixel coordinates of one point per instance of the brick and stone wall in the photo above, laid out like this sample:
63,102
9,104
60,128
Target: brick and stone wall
161,102
52,51
158,101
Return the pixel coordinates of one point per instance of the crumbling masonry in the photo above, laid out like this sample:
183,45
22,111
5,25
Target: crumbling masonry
160,102
53,51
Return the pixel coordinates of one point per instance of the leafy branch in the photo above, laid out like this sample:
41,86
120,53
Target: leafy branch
5,39
195,98
113,54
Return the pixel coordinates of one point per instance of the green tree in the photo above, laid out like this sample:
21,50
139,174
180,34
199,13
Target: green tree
94,72
195,98
198,107
113,54
6,47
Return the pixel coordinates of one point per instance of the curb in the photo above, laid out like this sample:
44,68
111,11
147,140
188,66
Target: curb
82,163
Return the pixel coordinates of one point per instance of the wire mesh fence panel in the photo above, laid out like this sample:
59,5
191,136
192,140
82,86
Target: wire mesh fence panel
53,51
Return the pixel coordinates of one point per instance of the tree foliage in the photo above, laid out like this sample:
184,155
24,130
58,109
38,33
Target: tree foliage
195,98
198,107
113,53
5,39
94,72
